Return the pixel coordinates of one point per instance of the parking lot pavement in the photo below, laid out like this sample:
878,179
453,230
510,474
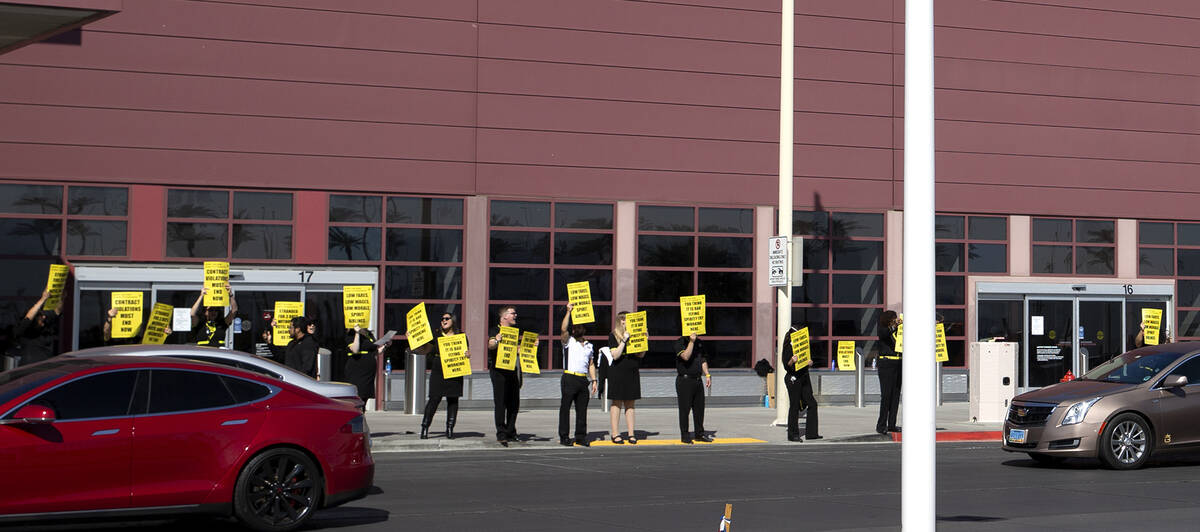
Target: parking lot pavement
398,432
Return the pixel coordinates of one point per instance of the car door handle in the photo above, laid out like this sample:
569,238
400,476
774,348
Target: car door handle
235,422
106,432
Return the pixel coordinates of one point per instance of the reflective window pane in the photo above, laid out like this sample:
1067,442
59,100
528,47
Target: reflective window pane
858,289
1189,293
197,203
1156,233
661,250
948,257
424,245
98,201
521,213
948,226
355,208
30,237
987,228
661,353
664,321
1156,261
1188,234
950,290
855,321
651,218
728,321
1052,259
857,224
600,280
816,254
1052,230
713,220
31,199
953,320
1095,231
425,211
255,241
354,243
729,354
1094,260
583,248
816,319
987,258
93,237
529,318
663,285
1189,323
727,287
857,255
1187,262
810,223
516,284
197,240
726,252
526,247
814,290
262,205
423,282
583,215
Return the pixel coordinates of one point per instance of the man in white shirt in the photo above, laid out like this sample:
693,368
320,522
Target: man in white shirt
579,374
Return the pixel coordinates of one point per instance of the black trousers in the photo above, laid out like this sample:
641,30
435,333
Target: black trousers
574,390
431,408
691,399
800,395
506,394
889,393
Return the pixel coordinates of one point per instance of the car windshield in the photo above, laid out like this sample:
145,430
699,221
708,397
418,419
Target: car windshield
1134,367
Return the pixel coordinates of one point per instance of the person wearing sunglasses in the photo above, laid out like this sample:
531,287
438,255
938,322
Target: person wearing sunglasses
439,386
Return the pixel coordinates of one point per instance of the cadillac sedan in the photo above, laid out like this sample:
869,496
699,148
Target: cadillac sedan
1123,411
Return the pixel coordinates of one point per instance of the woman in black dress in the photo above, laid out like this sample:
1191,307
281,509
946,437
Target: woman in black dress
624,381
361,365
440,387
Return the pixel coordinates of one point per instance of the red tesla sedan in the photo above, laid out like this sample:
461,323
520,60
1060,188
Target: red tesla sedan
117,436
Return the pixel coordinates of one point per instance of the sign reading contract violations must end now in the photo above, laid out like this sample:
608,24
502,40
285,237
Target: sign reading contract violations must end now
528,352
691,313
129,314
56,281
356,305
845,354
1152,319
284,312
156,326
801,348
635,324
453,352
506,350
216,276
580,294
418,327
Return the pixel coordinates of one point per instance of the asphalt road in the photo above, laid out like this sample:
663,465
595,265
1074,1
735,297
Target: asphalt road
800,487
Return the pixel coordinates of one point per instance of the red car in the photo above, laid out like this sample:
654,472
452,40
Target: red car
117,436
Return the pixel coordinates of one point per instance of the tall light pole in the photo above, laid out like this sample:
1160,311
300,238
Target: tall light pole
783,295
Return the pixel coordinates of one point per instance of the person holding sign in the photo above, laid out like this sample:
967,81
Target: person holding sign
800,393
890,375
439,385
301,353
691,365
211,330
506,382
579,376
360,366
36,334
1154,323
135,339
624,381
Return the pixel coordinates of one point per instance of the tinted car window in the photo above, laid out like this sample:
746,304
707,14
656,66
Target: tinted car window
95,396
16,382
1189,369
238,364
245,391
178,391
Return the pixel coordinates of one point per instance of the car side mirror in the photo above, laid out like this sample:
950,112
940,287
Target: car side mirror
32,415
1175,381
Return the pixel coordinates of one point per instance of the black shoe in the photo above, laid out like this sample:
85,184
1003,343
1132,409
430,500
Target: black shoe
618,439
564,442
582,442
881,431
631,439
450,428
817,437
704,438
794,438
424,432
686,440
894,429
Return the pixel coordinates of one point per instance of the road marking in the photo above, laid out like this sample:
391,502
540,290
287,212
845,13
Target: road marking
676,442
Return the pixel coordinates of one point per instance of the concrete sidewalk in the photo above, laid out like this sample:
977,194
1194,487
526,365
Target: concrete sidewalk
398,432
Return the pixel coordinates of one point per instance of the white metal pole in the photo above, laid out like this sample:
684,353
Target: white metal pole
783,295
918,469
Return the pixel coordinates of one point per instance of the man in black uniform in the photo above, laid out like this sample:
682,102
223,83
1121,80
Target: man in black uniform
211,330
800,393
301,352
36,334
506,383
690,366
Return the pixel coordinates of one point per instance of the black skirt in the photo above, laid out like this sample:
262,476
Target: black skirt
624,379
439,386
360,371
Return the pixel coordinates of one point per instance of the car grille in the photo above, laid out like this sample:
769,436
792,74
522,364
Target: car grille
1029,414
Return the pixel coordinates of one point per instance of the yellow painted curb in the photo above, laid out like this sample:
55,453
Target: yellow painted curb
676,442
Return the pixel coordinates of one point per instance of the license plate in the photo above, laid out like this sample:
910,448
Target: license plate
1016,435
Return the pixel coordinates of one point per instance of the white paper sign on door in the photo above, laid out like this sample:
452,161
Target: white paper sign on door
1037,325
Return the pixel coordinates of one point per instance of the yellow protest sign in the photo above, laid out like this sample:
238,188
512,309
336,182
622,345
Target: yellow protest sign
801,348
939,347
528,351
581,295
156,326
56,281
284,312
845,354
129,314
506,350
356,305
691,313
639,338
899,336
453,352
1152,320
216,276
418,327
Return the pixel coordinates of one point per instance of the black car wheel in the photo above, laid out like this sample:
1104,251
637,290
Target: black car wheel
1046,459
277,490
1126,442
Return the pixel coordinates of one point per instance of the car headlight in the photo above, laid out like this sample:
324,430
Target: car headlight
1078,411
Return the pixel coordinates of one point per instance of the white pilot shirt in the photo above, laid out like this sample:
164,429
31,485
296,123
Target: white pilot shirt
579,356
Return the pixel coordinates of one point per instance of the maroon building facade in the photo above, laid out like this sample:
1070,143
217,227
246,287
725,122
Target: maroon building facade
474,153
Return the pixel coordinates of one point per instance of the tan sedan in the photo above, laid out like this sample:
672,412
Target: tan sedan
1121,412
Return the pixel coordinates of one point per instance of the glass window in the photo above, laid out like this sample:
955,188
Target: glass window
355,208
662,250
96,396
659,218
810,223
731,287
31,199
664,285
1156,261
1094,260
583,216
1052,259
814,290
1095,231
858,289
713,220
948,227
96,238
427,245
988,228
1188,262
857,255
424,211
1189,293
858,321
519,284
30,237
1052,230
600,279
354,243
948,257
726,252
268,242
950,290
728,321
583,248
98,201
816,254
521,213
1189,323
526,247
423,282
987,258
262,206
1189,234
204,391
851,224
245,391
197,240
1156,233
197,203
